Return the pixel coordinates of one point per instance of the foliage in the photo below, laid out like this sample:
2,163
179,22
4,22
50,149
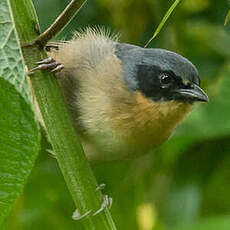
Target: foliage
183,185
227,18
19,138
163,21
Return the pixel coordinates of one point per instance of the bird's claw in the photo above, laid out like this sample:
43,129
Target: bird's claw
47,64
76,215
107,203
46,61
100,187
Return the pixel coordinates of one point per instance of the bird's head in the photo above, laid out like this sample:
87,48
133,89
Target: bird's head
162,75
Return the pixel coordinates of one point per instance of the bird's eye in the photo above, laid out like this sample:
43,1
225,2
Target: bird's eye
166,80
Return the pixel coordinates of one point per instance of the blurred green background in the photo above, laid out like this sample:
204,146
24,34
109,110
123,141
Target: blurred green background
185,184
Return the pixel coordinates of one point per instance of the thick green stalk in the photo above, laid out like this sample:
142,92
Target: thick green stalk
65,142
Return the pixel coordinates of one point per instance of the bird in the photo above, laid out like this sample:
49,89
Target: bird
124,100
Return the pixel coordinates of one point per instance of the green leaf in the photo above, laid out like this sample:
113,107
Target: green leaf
227,18
19,139
163,21
12,63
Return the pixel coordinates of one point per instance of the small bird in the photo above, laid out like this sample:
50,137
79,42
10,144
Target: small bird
124,100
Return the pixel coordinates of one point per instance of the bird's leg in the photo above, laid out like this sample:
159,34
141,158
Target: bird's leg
100,187
47,64
77,216
107,203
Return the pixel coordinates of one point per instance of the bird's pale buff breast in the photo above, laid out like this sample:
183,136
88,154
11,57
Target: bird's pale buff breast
146,124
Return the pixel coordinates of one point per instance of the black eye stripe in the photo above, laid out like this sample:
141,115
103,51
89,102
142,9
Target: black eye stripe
158,84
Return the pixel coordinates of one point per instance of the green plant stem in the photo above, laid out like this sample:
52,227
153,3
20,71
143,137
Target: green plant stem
227,18
61,22
65,142
163,21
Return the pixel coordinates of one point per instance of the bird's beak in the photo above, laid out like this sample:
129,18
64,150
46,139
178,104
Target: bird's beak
194,93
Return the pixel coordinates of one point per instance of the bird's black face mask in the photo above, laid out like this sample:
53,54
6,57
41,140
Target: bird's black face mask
162,85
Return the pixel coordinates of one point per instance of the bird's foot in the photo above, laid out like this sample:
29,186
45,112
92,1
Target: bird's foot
77,216
47,64
100,187
107,203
